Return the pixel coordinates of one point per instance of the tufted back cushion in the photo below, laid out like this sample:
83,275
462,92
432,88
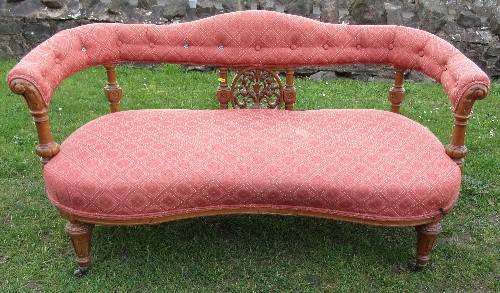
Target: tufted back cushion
248,38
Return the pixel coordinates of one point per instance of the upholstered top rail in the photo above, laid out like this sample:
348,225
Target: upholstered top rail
248,38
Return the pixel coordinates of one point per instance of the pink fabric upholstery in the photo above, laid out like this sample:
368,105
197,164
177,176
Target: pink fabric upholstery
248,38
363,163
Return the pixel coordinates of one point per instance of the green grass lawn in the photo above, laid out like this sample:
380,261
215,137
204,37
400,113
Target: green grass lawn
250,252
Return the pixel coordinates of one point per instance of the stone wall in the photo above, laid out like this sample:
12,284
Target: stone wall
473,26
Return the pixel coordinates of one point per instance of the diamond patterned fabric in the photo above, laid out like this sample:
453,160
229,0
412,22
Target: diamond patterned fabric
367,164
248,38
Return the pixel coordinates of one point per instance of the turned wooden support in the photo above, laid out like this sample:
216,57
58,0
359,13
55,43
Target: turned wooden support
426,235
81,234
457,150
46,148
289,92
112,90
223,91
397,92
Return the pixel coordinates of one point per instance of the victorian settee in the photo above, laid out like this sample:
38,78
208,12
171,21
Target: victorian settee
150,166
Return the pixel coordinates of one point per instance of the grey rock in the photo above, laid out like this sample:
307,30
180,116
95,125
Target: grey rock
418,76
316,12
117,6
494,21
367,12
4,54
17,47
54,4
27,9
473,36
452,30
174,8
269,5
63,25
365,72
476,51
306,70
9,26
467,18
199,68
493,51
146,4
496,73
204,9
394,14
297,7
88,3
235,5
219,8
329,11
432,15
37,31
323,75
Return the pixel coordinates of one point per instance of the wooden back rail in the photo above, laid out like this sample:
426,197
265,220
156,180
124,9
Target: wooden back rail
307,43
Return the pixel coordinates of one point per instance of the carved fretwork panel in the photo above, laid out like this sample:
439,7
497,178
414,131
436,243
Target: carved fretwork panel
256,88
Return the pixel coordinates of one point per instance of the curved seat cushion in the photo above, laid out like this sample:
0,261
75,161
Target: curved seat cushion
367,164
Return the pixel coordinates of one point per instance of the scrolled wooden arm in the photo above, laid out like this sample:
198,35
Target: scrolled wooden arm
457,149
46,148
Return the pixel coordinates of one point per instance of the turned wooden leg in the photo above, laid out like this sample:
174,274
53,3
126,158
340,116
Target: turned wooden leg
426,234
81,234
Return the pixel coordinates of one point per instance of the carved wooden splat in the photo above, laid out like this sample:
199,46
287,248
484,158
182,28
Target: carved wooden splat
256,88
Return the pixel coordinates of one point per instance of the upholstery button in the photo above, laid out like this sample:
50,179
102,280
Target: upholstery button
221,46
151,45
391,46
325,46
119,43
257,48
293,47
186,46
358,47
84,49
445,67
421,53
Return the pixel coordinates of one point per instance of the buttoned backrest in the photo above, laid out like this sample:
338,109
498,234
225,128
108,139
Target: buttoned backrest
248,38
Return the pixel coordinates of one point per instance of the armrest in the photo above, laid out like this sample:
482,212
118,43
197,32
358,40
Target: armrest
457,150
46,148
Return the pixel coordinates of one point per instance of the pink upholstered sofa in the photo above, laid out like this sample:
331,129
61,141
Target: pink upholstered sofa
150,166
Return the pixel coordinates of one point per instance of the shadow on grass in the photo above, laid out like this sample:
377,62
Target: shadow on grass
252,243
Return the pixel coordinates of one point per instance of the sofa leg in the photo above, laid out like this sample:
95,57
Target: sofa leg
426,234
80,234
